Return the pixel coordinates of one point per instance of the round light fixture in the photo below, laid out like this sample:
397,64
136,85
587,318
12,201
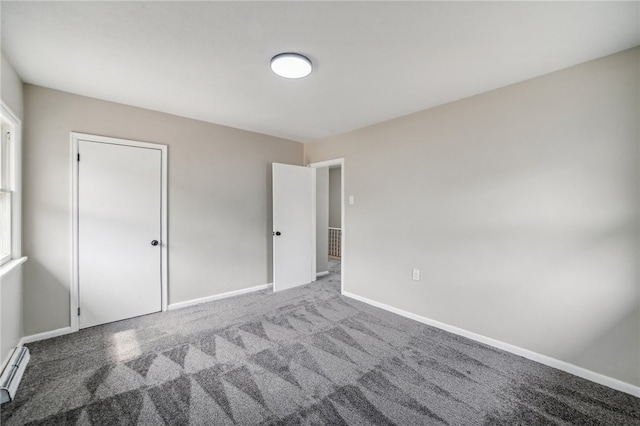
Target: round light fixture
291,65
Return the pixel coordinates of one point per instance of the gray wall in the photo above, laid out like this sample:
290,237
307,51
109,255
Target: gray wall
12,327
521,208
10,87
219,199
335,195
322,219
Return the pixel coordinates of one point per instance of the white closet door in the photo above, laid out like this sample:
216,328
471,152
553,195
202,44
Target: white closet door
119,231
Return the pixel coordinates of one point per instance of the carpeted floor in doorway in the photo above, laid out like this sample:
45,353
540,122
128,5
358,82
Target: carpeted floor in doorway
302,356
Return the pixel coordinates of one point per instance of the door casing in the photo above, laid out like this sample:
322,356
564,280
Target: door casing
75,138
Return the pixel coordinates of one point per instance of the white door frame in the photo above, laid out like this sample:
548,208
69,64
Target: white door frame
75,138
343,238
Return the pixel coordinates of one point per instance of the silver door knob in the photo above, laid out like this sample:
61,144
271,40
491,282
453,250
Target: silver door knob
155,242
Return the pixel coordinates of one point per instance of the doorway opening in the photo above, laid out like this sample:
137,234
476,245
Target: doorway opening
330,220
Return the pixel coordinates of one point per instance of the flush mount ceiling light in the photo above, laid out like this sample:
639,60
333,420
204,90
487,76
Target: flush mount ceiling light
291,65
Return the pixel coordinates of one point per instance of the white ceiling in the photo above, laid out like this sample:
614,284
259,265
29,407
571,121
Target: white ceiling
373,60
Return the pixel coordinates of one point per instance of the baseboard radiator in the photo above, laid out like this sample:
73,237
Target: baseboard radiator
12,374
335,242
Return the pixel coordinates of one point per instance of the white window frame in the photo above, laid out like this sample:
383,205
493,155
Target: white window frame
12,157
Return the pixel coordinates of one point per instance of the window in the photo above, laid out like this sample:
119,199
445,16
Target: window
9,186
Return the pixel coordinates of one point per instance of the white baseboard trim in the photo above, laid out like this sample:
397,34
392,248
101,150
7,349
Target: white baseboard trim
46,335
525,353
67,330
192,302
321,274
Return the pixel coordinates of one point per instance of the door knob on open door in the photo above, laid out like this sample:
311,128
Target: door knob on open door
278,233
155,242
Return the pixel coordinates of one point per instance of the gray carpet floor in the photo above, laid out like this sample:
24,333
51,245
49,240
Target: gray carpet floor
303,356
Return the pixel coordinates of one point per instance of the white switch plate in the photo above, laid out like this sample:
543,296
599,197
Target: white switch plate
416,274
352,200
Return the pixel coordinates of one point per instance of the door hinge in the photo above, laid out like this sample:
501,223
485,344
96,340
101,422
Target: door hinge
78,157
78,311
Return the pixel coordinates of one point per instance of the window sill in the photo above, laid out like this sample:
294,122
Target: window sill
11,265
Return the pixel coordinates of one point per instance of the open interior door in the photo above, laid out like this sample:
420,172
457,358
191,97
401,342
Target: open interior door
294,214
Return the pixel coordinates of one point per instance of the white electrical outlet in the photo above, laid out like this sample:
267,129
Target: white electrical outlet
416,274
